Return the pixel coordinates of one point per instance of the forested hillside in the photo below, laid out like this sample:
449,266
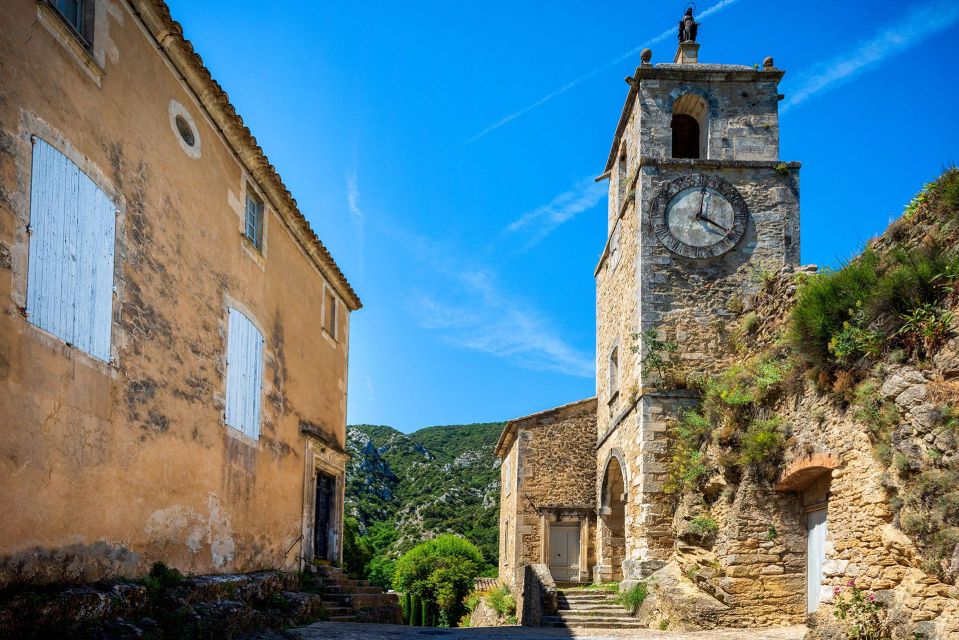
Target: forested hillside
406,488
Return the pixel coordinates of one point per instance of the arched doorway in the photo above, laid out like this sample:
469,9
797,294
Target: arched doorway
810,477
612,521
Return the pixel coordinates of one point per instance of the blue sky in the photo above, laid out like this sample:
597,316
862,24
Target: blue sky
445,151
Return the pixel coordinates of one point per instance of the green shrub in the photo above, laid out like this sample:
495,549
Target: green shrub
762,444
924,330
704,527
357,549
161,577
749,323
825,303
661,356
846,318
949,183
440,573
502,601
686,465
879,415
380,572
633,598
913,279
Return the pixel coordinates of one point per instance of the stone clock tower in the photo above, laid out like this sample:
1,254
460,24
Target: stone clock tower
700,206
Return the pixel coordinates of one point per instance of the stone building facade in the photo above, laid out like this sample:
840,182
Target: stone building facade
703,231
173,335
547,505
663,278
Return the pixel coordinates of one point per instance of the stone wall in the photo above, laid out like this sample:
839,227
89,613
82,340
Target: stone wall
757,565
535,594
554,478
742,118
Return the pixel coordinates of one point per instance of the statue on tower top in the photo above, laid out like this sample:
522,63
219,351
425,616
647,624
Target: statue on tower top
688,27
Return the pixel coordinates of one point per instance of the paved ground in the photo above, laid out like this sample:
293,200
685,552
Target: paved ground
353,631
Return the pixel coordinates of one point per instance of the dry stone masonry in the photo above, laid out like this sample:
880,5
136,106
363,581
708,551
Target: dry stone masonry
697,279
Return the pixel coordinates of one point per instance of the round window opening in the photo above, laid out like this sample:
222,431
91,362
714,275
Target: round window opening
185,131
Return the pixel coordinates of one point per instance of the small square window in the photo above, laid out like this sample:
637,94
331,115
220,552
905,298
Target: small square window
77,14
329,318
254,220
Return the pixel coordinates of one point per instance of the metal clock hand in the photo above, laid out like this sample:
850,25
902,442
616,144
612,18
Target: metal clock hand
712,222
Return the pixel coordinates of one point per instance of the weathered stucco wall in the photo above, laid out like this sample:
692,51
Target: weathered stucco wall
108,467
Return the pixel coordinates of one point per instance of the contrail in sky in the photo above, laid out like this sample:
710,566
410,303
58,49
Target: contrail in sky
719,6
918,25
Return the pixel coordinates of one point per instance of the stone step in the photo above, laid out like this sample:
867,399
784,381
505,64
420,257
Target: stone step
599,615
577,613
587,600
343,618
611,608
592,623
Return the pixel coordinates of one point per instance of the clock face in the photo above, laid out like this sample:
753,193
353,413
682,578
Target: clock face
699,216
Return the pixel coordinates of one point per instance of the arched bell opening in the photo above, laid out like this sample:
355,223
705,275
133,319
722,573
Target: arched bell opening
689,126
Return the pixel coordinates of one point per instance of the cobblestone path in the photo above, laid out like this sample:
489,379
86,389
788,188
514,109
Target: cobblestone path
355,631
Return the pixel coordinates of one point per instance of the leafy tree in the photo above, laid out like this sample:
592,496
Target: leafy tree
357,549
439,573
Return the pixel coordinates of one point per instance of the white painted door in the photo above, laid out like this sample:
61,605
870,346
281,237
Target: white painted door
564,552
815,556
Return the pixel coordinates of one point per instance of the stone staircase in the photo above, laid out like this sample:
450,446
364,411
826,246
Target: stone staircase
590,608
349,600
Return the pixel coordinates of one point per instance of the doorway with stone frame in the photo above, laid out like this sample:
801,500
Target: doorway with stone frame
611,530
565,543
810,478
323,503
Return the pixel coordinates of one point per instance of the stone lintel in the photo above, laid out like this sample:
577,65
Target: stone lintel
707,163
706,73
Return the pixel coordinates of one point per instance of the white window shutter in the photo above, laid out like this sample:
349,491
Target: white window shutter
70,277
244,374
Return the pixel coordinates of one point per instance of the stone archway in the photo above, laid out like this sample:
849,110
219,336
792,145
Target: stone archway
810,477
611,523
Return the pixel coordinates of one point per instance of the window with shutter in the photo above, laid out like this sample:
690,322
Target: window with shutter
254,220
329,321
244,374
70,269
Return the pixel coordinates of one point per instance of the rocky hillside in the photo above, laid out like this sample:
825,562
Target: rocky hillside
435,480
841,387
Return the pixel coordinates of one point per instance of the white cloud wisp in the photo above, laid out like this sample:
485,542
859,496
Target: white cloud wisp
582,196
722,4
919,24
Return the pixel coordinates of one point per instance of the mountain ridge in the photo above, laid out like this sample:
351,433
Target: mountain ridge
438,479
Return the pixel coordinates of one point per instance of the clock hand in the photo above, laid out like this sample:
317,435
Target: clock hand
712,222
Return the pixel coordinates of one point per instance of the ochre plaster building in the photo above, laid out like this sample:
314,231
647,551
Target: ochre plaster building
173,335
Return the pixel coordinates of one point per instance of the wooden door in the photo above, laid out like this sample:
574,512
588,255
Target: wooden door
815,556
323,517
564,552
